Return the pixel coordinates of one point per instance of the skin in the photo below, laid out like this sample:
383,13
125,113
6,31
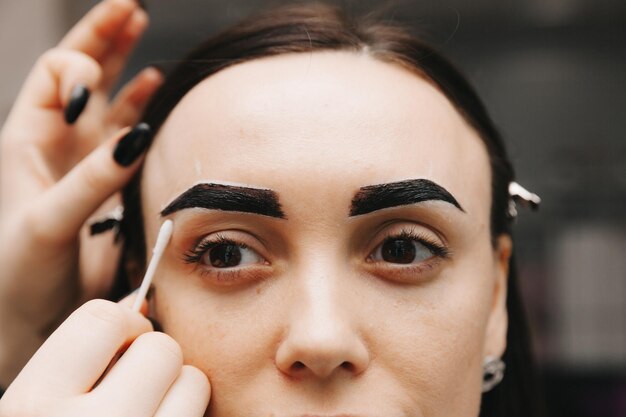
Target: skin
315,325
55,176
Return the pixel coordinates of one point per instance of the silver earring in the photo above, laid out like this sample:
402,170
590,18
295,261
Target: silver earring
493,372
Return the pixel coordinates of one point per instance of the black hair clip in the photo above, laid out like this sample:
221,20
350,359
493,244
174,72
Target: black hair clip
112,221
525,198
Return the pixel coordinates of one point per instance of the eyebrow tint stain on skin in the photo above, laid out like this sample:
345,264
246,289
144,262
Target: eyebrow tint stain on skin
228,198
377,197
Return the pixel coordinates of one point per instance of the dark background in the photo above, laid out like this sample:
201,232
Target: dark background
553,75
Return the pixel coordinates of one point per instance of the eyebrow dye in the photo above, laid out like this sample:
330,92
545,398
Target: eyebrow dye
377,197
228,198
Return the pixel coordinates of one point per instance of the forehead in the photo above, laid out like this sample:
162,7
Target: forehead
318,121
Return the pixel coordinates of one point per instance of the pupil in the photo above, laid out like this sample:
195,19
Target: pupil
225,256
398,251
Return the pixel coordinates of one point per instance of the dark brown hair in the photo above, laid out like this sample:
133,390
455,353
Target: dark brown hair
303,28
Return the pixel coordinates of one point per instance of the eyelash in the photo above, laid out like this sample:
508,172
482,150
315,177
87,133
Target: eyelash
409,272
224,275
195,254
439,252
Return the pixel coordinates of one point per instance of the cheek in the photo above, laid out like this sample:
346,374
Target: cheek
433,342
230,337
425,341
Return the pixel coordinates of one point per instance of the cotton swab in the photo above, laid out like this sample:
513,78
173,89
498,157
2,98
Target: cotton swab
163,238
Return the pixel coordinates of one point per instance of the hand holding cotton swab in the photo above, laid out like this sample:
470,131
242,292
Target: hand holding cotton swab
163,238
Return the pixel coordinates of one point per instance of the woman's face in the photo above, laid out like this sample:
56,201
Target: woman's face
331,252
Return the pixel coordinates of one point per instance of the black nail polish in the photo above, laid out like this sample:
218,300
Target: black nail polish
132,145
155,324
77,103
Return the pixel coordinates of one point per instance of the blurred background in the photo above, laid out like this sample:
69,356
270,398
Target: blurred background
553,75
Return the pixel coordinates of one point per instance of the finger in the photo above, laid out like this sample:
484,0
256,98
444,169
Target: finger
78,352
48,90
142,376
188,396
103,172
95,32
114,61
131,101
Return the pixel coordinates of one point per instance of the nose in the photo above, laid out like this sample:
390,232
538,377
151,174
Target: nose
322,340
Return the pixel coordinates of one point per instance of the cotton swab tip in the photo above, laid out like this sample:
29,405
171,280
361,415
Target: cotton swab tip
163,238
165,233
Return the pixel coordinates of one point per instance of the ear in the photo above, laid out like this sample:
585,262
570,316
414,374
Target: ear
495,338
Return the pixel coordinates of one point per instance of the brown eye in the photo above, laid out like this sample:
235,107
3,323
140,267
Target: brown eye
230,255
402,251
225,256
398,251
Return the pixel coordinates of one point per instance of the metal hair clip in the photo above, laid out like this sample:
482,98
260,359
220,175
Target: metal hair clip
111,221
522,196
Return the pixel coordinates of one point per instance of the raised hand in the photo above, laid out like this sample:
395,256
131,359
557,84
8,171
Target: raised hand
57,169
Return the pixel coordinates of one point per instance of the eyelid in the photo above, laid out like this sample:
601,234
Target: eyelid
423,216
436,249
394,228
229,276
236,237
413,273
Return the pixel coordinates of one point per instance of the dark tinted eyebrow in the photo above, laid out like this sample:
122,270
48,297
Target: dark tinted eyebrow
401,193
227,198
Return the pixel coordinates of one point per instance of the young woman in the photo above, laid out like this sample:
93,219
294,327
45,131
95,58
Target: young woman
341,242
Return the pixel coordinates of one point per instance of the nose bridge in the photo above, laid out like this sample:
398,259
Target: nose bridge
320,290
322,337
321,282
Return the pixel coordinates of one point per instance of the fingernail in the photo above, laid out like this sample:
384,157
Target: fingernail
77,103
155,324
133,144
